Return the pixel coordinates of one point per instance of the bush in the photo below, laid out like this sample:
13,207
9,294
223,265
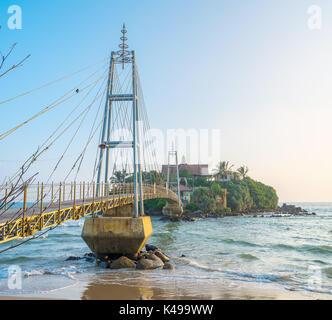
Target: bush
154,204
191,206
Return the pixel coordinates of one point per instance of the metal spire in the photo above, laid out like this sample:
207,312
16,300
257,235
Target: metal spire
123,46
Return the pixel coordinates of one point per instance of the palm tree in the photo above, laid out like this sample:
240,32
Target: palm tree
119,176
223,168
243,171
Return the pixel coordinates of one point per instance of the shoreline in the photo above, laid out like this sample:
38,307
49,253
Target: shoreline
112,286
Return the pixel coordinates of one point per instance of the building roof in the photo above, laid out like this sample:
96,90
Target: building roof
183,188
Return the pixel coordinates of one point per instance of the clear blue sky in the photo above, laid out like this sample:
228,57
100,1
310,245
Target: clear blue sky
252,69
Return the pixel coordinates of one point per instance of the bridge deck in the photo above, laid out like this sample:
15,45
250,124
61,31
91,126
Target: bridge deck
13,225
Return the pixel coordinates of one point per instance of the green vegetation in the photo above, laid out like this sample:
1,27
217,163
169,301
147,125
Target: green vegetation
154,204
243,193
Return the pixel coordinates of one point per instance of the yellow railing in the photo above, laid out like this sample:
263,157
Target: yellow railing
53,205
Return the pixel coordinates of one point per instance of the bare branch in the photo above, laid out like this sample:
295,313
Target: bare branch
3,59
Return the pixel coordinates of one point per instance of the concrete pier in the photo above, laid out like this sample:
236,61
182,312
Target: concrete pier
172,209
120,235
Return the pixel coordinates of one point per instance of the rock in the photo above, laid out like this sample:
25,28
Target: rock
73,258
148,264
153,257
122,262
168,266
183,256
142,255
161,256
193,219
314,213
150,247
90,254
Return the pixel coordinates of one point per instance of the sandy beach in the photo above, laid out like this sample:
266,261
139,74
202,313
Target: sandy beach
125,286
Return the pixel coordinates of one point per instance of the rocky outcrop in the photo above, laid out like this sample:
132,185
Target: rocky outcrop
293,210
150,259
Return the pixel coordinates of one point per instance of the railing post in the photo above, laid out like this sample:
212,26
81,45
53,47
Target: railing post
6,195
52,192
101,197
80,190
83,197
93,197
38,194
71,191
59,202
88,193
64,192
24,208
41,198
74,204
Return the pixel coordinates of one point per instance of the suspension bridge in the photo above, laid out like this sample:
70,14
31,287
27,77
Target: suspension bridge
125,171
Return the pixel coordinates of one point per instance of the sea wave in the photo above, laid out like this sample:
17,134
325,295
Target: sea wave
240,242
319,249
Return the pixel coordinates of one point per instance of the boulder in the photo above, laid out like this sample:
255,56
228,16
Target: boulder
153,257
73,258
122,262
161,256
150,247
148,264
168,266
142,255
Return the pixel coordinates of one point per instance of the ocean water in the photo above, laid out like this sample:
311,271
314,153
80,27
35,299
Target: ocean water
287,253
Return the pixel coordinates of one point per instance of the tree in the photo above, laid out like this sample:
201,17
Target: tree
243,171
119,176
184,173
216,189
222,169
4,57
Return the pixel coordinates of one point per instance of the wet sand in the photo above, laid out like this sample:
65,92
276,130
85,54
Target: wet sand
122,287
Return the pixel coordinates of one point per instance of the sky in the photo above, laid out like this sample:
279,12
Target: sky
254,70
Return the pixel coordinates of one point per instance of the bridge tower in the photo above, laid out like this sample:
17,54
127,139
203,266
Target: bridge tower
125,229
123,57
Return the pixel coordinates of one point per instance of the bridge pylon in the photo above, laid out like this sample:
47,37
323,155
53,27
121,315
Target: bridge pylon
123,230
122,57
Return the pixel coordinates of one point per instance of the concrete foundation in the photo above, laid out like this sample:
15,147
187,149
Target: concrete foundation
125,211
120,235
172,210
